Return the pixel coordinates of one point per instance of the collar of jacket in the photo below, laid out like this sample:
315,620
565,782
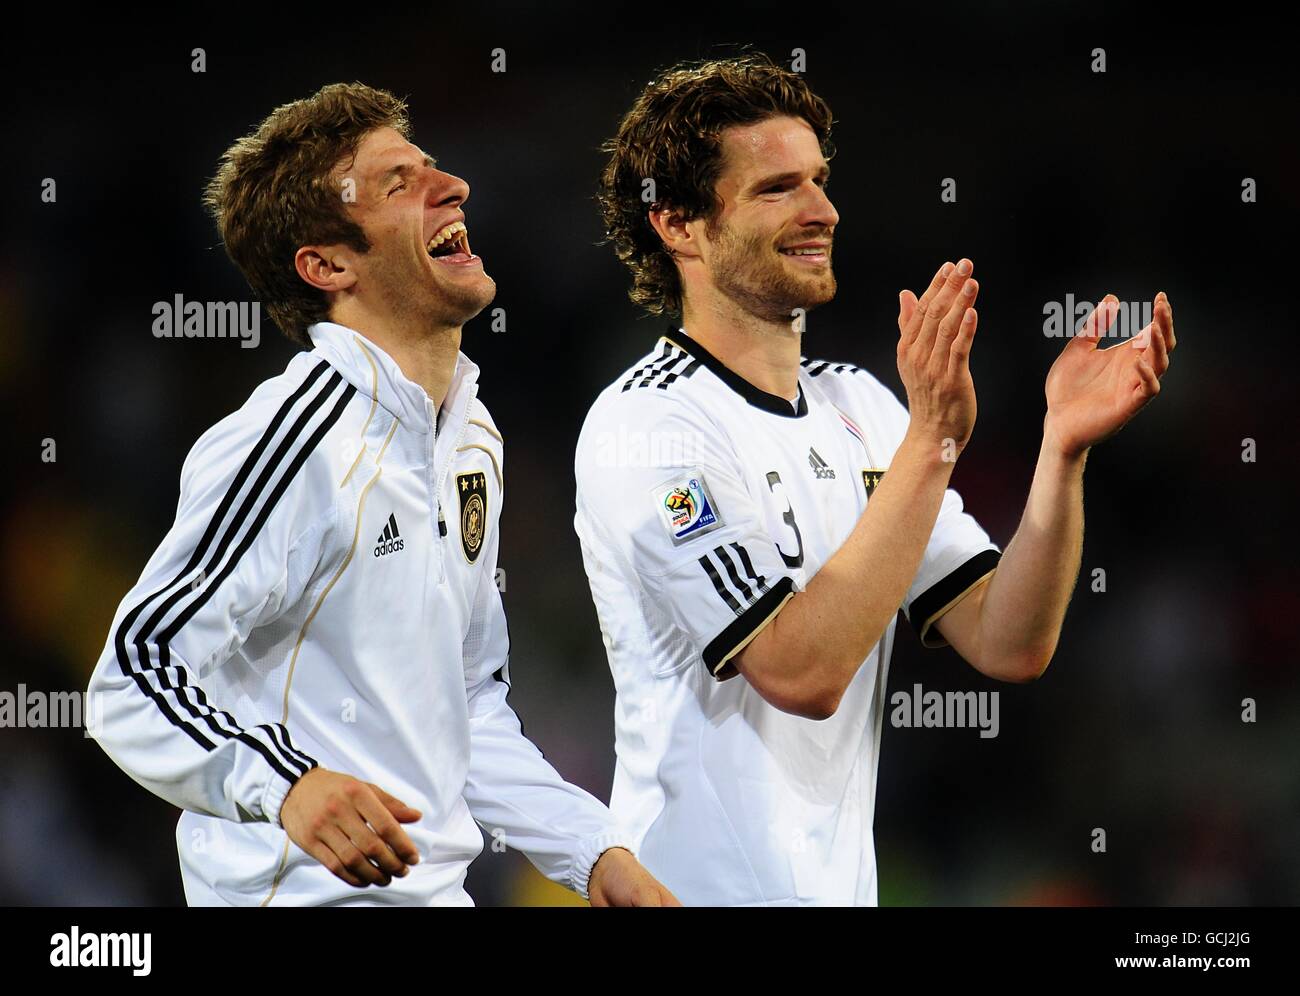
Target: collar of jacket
376,375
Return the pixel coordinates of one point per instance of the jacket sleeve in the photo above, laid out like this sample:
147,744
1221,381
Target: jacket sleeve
511,789
248,532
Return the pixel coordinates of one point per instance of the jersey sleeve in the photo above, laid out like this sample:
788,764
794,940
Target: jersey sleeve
959,554
511,790
249,528
660,494
958,557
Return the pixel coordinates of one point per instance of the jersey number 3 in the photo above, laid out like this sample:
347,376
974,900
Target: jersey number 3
773,482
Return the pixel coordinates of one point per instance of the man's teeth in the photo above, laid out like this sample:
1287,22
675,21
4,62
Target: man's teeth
805,252
454,234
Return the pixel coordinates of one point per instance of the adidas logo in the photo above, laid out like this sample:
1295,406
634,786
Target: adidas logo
390,540
820,467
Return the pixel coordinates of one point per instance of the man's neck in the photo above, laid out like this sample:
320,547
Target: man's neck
764,353
426,355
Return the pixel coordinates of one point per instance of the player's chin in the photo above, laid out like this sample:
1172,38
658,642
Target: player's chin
463,298
814,291
464,276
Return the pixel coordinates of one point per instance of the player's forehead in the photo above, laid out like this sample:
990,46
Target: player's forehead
772,146
385,150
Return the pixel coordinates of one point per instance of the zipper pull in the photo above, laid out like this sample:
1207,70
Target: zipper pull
442,523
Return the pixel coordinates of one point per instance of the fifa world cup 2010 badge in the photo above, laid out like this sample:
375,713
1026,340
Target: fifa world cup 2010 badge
687,508
472,489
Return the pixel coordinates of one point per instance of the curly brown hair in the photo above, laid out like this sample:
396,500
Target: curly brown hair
275,191
673,136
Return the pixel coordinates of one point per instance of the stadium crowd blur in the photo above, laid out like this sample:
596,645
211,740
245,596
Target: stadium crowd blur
1069,182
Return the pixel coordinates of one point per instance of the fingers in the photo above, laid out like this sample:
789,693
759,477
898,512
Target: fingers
375,848
382,811
1148,385
906,309
1164,320
1097,324
403,812
939,307
917,313
959,353
347,852
1156,351
950,325
334,864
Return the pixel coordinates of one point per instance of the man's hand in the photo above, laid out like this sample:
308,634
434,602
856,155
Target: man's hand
935,335
350,826
619,880
1091,392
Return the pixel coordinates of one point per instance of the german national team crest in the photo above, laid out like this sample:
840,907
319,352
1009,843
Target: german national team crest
472,489
871,479
686,507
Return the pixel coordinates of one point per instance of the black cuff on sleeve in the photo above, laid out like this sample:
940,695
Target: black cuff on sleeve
733,639
944,594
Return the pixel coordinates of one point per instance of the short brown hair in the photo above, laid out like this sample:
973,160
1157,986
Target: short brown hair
673,136
274,192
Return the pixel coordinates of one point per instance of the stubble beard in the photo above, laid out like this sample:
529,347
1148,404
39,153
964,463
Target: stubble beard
747,271
417,302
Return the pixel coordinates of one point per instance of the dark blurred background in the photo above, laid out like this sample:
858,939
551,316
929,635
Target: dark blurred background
1068,182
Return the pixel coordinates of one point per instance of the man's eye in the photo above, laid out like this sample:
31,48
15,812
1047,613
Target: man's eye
400,186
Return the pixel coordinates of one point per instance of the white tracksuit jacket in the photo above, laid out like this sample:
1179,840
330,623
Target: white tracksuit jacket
327,596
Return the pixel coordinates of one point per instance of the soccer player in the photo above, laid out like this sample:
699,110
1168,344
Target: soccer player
751,521
314,663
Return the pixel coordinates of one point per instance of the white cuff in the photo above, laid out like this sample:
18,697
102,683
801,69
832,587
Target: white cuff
589,852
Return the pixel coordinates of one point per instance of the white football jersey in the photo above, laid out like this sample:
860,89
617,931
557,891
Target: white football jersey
703,505
327,597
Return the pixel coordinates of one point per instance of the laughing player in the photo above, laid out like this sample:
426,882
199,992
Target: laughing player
314,663
751,521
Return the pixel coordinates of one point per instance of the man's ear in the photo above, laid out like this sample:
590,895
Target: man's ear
674,231
326,268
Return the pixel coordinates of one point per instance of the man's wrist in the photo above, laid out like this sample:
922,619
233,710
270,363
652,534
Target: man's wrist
1070,455
589,853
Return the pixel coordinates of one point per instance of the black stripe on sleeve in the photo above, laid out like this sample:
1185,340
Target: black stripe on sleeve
943,594
725,559
245,544
292,758
717,655
759,581
200,550
206,584
723,591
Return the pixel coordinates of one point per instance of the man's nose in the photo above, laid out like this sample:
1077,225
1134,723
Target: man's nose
447,189
820,210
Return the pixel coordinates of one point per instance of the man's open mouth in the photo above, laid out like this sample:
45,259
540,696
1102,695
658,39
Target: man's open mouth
452,240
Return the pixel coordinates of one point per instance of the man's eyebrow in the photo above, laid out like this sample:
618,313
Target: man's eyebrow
403,170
